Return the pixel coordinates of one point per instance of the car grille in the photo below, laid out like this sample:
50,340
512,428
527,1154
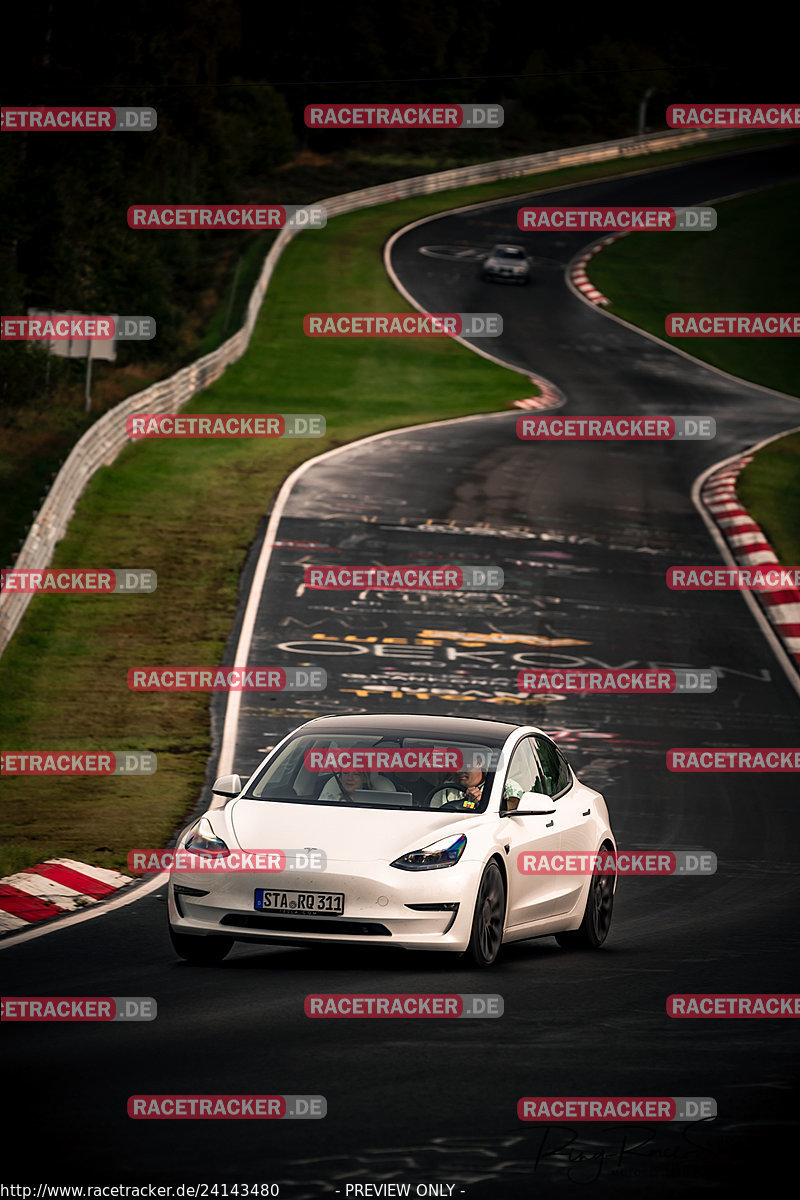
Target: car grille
306,925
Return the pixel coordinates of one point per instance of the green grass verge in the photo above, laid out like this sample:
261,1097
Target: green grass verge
769,488
747,264
189,510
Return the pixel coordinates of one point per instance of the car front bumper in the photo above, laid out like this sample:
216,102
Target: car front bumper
506,276
413,910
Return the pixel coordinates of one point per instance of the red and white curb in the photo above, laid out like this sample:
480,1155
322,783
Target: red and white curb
550,396
748,545
51,888
577,270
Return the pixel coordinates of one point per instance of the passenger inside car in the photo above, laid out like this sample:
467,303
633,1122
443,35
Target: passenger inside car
342,785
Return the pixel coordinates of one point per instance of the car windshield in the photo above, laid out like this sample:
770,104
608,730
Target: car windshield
508,252
375,771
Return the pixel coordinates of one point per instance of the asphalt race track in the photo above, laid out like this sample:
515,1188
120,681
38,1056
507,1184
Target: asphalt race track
584,533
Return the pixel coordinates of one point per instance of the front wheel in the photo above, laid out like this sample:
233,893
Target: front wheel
203,951
596,922
487,923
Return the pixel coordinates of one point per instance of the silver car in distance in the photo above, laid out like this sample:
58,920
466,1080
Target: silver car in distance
507,262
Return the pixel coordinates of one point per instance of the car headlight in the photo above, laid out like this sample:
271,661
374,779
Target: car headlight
203,840
444,853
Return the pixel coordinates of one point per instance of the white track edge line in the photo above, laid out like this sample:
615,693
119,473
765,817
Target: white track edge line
766,626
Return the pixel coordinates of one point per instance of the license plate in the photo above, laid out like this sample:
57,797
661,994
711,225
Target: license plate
299,902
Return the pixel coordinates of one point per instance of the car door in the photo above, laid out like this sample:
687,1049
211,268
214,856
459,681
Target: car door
575,818
533,896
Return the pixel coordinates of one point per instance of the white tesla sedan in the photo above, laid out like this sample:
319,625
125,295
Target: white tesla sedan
415,858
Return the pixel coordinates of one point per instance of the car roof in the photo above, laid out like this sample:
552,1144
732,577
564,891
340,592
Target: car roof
413,725
507,246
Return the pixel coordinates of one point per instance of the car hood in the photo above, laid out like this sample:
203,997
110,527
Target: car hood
342,833
505,262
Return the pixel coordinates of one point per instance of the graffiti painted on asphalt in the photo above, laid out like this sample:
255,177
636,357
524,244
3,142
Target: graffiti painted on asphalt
432,647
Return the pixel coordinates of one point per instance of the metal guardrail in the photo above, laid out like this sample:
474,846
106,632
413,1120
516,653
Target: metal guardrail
102,442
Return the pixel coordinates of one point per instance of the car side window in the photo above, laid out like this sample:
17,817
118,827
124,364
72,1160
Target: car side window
555,771
523,775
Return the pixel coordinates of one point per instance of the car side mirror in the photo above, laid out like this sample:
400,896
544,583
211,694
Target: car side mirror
227,785
529,806
533,799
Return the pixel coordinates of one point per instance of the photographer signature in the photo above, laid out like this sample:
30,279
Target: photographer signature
624,1146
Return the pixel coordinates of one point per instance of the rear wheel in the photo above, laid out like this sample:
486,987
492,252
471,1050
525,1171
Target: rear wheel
203,951
596,922
487,923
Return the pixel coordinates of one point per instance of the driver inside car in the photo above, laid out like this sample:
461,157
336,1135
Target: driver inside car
467,791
